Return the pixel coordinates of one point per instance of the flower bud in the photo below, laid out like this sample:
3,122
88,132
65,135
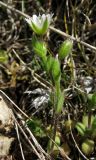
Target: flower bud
65,49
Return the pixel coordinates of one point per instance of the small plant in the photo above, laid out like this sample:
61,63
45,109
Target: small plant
87,146
35,126
51,64
87,128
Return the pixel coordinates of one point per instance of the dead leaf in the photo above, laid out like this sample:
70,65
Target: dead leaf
5,144
6,118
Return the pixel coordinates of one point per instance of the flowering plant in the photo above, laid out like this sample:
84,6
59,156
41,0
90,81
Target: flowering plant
40,24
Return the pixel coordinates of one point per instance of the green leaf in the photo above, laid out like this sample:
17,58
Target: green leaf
94,123
49,63
3,56
56,71
80,128
57,142
85,120
89,96
65,48
35,126
60,102
39,47
92,101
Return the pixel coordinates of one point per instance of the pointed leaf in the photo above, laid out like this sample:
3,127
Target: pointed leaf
81,128
49,63
60,102
56,71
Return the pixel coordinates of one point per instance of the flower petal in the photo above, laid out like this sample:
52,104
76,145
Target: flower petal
35,19
28,20
49,17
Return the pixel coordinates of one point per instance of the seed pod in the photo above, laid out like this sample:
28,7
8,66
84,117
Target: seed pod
65,48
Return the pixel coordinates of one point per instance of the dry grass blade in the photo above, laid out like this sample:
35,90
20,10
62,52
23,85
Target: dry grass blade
18,136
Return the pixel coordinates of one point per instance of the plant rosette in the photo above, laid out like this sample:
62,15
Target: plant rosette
87,146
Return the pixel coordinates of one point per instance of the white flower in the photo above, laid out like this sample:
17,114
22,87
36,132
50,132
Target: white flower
40,24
